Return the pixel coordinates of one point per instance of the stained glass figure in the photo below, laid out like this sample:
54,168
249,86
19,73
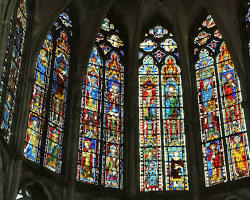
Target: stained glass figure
100,154
50,96
161,118
221,114
11,66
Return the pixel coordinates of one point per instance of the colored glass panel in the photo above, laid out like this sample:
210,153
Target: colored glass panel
163,162
113,121
100,154
169,45
148,45
37,105
158,31
90,129
149,127
173,126
159,55
202,38
233,116
212,144
221,122
12,65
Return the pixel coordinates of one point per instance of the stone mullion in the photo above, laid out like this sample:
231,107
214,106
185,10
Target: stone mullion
131,92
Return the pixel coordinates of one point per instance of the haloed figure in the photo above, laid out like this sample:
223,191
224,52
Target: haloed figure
87,161
172,99
30,150
240,163
215,159
112,167
176,170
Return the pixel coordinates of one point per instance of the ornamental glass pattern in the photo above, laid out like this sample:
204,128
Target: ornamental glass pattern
12,65
100,157
44,137
163,162
223,129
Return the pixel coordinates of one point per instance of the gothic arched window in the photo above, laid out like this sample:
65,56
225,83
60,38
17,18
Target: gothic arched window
163,162
223,129
11,67
44,137
100,157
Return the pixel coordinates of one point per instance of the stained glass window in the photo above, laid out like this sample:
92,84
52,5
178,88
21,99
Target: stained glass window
11,66
100,157
163,161
44,137
223,128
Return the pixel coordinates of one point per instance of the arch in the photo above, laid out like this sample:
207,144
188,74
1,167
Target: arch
34,189
47,112
163,162
100,156
223,129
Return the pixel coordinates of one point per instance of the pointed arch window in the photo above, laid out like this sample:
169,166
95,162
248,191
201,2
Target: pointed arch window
163,162
11,67
100,157
223,128
45,129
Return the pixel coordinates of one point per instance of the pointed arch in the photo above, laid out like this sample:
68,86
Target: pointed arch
12,66
163,162
223,130
100,157
45,129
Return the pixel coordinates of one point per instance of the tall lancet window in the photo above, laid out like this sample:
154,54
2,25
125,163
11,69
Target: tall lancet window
223,129
100,158
45,130
11,67
163,162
